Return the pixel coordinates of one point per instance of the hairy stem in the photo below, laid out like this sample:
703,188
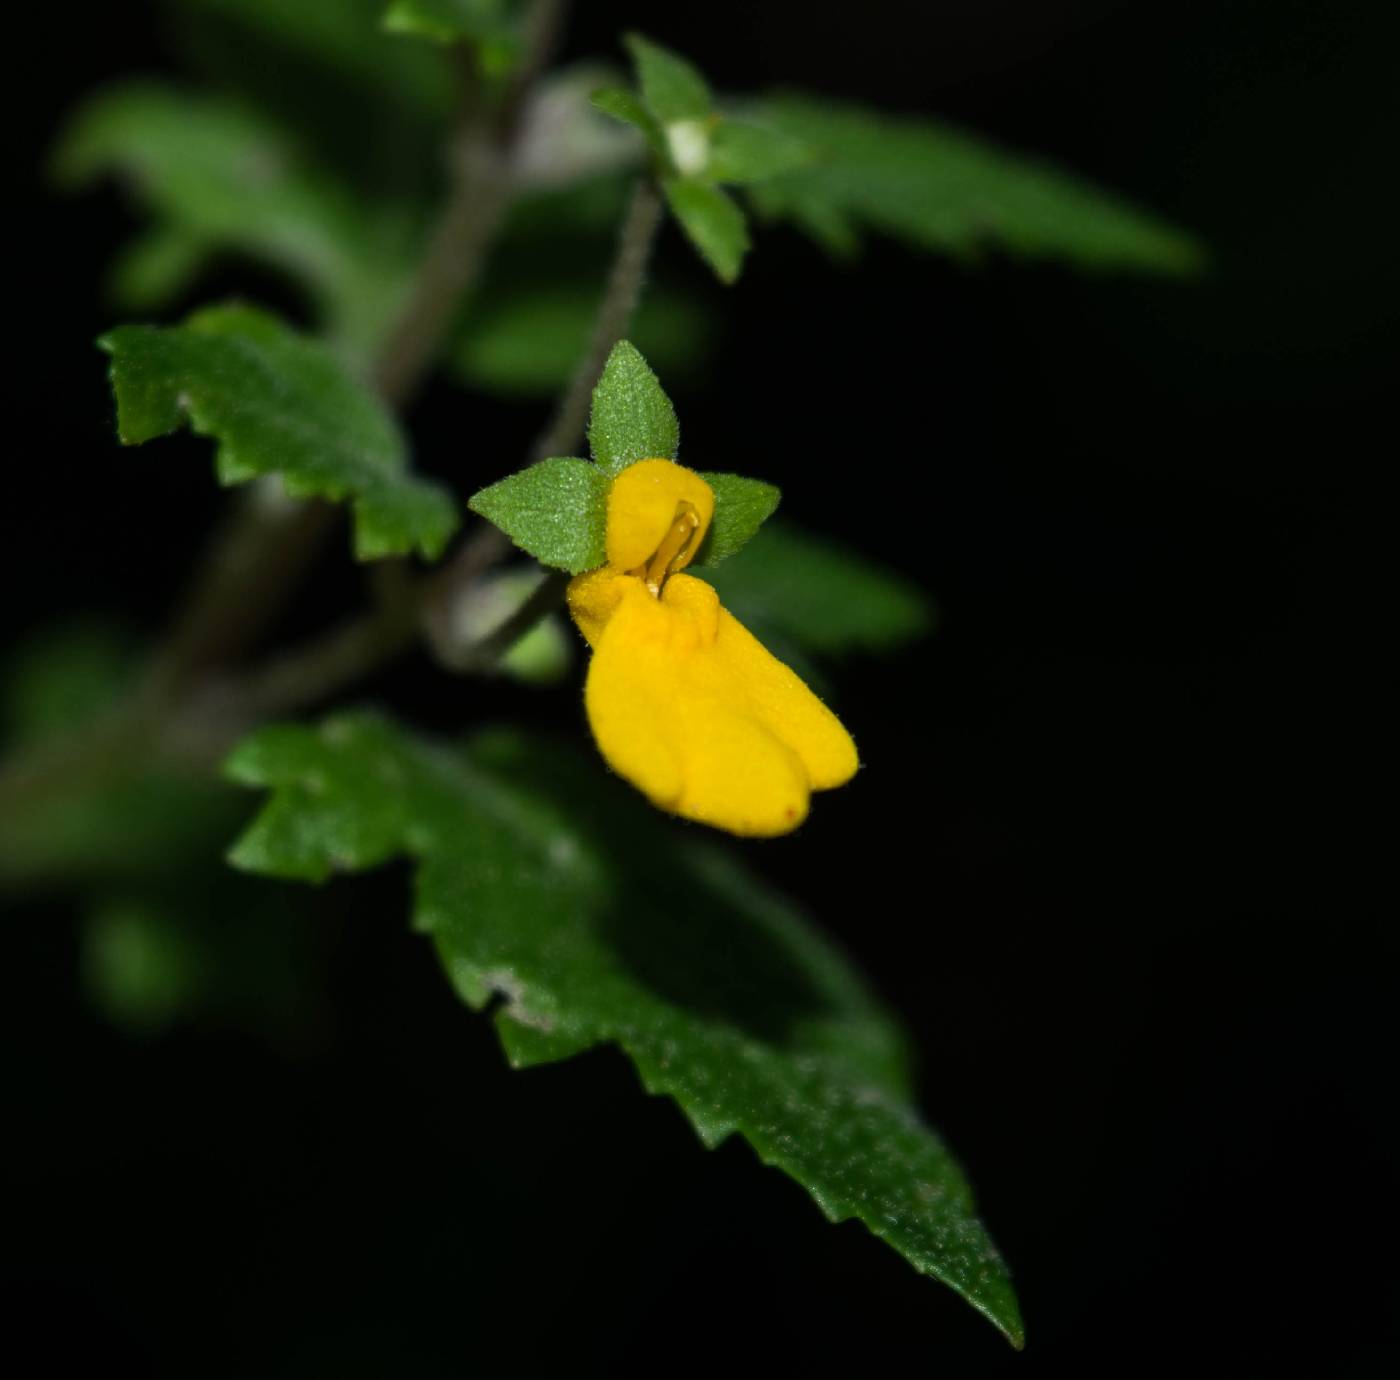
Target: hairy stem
487,545
620,297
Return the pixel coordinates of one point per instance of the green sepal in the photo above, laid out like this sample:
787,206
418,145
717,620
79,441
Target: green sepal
555,510
742,506
278,403
632,418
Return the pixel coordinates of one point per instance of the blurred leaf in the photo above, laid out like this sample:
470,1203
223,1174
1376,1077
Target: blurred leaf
120,811
713,221
632,418
743,152
128,820
940,189
529,340
278,403
62,678
599,922
492,25
742,506
346,35
138,965
219,178
822,597
672,88
623,104
556,510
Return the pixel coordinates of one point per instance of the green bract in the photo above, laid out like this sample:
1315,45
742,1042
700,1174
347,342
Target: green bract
278,403
742,506
599,923
632,418
696,148
557,509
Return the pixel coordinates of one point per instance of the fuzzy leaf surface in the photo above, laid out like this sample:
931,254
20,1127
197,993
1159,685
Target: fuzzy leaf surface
742,506
556,510
602,923
632,418
278,403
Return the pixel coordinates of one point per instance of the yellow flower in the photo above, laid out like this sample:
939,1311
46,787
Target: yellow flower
683,700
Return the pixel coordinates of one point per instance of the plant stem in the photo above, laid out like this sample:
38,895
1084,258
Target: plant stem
620,297
192,724
488,544
481,174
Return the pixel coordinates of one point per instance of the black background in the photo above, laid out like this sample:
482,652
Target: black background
1106,854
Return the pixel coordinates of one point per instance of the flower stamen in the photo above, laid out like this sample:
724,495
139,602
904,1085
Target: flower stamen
674,550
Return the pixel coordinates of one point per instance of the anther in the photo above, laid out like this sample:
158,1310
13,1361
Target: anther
674,549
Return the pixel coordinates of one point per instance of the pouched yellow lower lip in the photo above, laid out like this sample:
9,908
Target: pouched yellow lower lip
684,702
696,713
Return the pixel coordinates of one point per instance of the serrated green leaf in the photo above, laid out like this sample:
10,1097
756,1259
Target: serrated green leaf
625,105
822,597
599,922
672,87
555,510
278,403
493,25
741,152
742,506
528,340
938,188
632,418
711,218
220,178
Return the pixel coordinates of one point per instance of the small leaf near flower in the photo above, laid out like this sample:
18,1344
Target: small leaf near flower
713,222
672,87
554,510
742,506
632,418
624,104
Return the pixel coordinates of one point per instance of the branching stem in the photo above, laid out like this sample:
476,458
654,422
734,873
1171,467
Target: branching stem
188,712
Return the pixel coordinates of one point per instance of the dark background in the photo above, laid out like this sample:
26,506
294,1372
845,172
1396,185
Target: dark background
1106,855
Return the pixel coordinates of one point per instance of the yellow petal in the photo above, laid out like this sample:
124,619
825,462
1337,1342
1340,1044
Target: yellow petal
643,505
687,705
